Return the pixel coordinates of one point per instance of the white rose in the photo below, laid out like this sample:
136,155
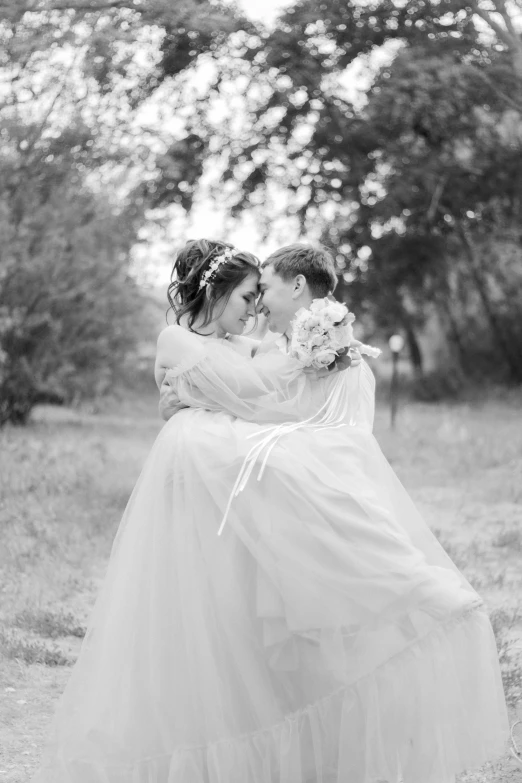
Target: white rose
335,344
318,339
301,315
336,311
323,358
315,321
343,335
318,305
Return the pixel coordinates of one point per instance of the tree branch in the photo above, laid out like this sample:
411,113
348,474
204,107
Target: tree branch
500,5
106,5
508,35
435,199
504,96
91,8
502,33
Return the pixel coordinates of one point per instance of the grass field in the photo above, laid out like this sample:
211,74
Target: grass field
64,482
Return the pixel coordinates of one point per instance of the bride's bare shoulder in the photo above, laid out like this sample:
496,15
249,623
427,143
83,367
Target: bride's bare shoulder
174,343
173,332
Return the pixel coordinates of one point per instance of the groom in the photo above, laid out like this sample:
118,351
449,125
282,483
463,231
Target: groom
291,278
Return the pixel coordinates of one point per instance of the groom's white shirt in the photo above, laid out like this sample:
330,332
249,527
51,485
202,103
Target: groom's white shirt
273,340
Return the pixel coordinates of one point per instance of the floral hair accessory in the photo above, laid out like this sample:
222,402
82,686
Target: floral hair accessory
222,258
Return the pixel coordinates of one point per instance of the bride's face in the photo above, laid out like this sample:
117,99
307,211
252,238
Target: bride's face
241,306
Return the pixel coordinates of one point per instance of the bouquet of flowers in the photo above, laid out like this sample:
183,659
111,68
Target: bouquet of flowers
323,333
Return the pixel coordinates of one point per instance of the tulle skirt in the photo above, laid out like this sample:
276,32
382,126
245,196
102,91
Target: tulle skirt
324,636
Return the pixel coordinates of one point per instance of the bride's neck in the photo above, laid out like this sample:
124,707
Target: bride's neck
213,329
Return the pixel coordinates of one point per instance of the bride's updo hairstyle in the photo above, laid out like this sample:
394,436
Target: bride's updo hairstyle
187,295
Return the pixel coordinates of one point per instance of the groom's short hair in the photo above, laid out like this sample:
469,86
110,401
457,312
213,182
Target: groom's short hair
313,262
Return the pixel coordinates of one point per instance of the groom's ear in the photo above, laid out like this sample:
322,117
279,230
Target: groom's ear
299,286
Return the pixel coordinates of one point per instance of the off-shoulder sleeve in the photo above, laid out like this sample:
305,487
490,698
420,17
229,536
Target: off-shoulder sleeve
187,364
269,388
217,378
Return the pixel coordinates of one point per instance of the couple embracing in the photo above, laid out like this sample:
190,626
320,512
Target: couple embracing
275,610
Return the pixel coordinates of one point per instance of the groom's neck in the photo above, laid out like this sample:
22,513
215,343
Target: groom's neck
304,301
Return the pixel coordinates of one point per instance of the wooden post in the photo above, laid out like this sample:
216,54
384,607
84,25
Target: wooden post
396,343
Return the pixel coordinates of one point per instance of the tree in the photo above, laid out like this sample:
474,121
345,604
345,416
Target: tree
68,310
78,178
445,178
429,162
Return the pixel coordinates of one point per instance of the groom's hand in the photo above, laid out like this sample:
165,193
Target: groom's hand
350,358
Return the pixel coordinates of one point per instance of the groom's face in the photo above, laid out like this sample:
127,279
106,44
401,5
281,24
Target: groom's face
277,300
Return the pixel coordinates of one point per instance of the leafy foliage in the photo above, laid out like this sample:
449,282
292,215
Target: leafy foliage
409,184
67,305
78,179
416,185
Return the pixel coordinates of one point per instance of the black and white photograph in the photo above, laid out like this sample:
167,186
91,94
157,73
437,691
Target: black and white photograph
260,391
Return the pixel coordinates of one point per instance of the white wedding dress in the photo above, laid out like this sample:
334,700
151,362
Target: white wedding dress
324,636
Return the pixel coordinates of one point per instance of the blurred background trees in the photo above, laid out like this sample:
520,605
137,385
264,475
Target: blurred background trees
416,184
391,131
77,178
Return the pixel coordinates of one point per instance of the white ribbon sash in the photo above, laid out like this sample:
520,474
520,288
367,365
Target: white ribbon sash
331,414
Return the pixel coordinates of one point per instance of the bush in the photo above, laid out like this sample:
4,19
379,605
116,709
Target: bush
69,311
437,385
50,624
16,647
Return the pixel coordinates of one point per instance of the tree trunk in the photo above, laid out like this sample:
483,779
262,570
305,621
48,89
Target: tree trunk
454,335
513,362
414,349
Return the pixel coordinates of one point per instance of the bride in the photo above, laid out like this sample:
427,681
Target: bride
274,609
